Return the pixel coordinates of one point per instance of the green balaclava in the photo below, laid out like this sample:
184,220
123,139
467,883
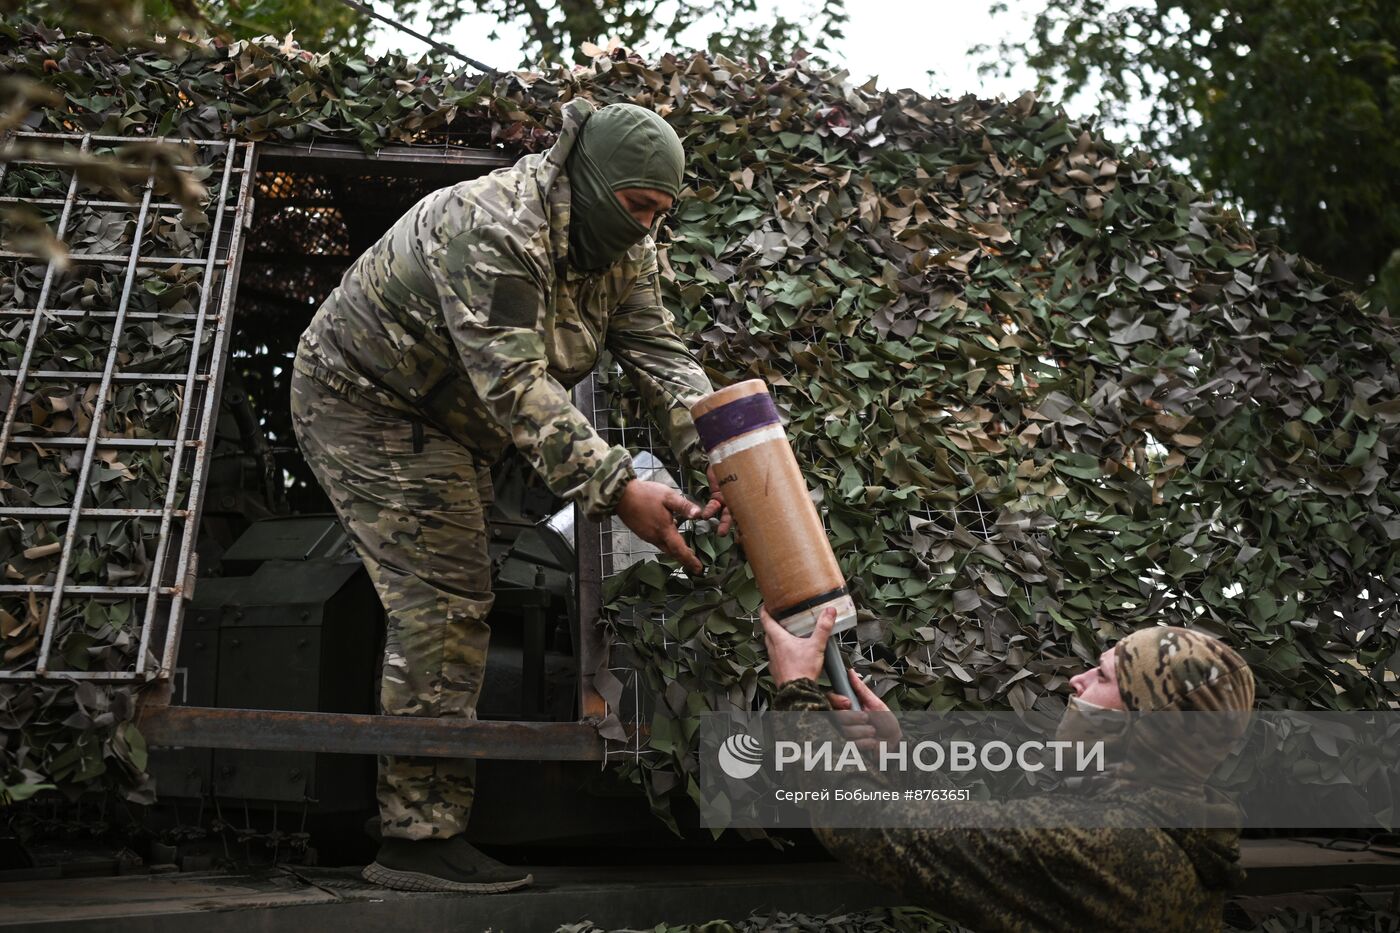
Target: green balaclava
620,146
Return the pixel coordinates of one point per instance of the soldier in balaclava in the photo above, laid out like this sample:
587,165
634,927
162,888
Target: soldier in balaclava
454,337
1068,864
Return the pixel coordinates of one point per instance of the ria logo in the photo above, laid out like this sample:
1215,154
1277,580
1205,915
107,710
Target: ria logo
740,756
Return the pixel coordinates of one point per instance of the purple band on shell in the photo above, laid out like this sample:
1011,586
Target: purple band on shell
737,417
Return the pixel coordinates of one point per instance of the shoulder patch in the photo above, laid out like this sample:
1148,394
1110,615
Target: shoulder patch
515,302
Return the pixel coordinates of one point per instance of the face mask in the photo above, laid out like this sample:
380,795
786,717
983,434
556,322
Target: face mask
1087,722
620,146
601,231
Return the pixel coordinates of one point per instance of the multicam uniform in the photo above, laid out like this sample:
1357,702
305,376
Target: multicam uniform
1114,876
457,334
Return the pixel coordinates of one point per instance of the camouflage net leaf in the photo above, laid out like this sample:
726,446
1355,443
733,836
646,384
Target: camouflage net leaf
1338,914
1045,391
879,920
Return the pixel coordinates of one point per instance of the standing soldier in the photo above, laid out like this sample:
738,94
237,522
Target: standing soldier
457,334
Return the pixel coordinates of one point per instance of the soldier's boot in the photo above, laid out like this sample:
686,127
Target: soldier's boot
442,865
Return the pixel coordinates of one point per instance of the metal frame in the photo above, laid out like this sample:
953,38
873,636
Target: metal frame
165,725
418,161
203,370
588,550
278,730
357,733
616,549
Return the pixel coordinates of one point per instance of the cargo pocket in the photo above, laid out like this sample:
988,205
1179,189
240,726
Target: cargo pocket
441,518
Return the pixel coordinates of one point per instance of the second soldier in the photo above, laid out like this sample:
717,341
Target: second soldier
454,337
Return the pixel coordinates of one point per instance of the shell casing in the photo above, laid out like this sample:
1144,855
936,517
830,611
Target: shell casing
784,540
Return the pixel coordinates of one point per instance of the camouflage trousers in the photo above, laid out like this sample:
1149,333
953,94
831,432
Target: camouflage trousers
414,503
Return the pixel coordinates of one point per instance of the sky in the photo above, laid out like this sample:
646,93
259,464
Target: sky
932,35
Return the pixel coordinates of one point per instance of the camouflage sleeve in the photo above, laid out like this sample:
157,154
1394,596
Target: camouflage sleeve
642,336
494,303
1017,879
1035,877
801,695
1028,877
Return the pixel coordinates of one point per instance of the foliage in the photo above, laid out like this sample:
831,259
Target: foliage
1355,915
1344,915
317,24
558,31
1047,392
125,22
117,170
59,732
555,30
321,26
27,785
878,920
1289,107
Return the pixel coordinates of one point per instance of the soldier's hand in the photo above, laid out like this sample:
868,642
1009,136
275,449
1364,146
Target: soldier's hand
793,657
650,510
872,724
716,504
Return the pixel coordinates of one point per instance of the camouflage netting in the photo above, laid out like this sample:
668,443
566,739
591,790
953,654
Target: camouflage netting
880,920
1048,392
1340,913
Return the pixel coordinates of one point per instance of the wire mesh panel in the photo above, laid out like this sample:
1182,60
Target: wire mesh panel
112,346
618,418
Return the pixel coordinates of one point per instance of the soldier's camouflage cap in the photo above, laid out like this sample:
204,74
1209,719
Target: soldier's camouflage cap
1170,668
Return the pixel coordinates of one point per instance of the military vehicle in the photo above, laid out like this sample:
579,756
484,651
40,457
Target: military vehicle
166,543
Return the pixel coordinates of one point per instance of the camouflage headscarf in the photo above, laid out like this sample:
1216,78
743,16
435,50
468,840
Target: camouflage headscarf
1170,668
621,146
1165,670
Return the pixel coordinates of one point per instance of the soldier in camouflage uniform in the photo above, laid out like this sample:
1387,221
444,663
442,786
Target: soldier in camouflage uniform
1111,874
455,336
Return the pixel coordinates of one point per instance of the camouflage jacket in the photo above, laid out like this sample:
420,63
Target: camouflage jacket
1108,873
468,316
